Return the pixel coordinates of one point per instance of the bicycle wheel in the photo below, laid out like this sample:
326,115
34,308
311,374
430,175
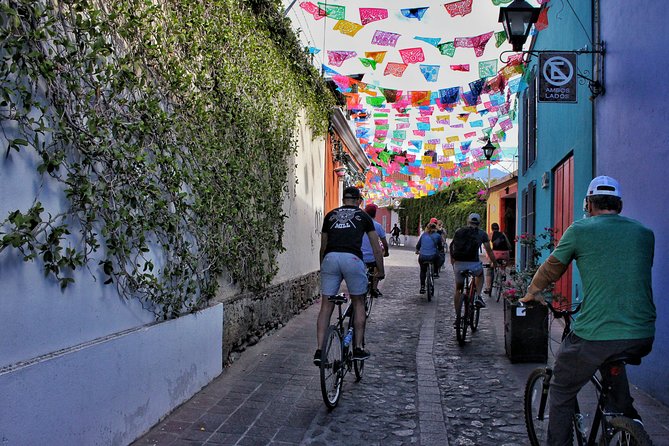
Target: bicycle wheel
369,301
536,409
500,278
430,282
461,321
332,367
623,431
474,314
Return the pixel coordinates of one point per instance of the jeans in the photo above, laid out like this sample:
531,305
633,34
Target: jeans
577,361
424,260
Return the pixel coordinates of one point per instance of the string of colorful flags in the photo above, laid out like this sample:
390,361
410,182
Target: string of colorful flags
418,141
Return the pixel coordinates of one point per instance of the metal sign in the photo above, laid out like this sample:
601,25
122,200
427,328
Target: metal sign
557,77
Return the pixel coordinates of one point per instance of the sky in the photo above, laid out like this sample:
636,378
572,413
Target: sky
415,37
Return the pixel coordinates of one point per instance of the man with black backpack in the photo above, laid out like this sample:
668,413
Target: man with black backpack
464,251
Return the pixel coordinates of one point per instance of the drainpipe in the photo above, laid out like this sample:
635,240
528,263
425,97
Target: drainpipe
597,72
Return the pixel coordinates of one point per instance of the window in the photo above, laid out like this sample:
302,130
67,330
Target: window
527,220
530,124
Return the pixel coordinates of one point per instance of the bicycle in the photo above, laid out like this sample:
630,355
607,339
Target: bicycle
468,314
337,353
429,280
498,278
394,240
616,429
371,294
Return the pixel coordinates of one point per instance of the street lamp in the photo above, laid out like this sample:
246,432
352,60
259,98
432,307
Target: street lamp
488,151
517,19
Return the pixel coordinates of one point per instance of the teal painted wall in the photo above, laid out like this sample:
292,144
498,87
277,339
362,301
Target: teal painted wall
563,129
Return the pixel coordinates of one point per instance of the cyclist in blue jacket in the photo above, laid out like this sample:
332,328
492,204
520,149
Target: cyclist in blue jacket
428,247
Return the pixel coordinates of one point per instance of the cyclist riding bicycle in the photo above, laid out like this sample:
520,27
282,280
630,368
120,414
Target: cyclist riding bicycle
614,255
368,253
395,234
501,247
464,251
428,247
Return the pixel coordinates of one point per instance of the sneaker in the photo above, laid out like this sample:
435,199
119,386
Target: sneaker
360,354
435,275
488,292
638,421
378,293
479,302
317,358
422,290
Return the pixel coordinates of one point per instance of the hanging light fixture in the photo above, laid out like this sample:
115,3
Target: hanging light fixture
488,150
517,19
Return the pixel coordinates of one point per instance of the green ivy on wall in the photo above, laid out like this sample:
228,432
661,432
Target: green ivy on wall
170,126
451,205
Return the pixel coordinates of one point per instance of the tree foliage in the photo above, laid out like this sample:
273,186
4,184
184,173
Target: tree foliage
451,205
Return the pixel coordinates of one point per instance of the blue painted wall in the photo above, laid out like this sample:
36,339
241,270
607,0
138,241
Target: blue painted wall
632,143
563,129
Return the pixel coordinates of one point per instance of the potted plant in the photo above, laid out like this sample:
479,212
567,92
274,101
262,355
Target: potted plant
526,325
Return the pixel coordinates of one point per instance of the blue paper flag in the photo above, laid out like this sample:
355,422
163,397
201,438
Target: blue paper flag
430,72
449,95
434,41
414,13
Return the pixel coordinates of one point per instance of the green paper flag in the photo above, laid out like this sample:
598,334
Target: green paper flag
500,37
447,48
375,101
335,12
384,156
368,62
488,68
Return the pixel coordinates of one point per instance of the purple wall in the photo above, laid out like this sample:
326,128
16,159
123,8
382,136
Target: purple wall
632,140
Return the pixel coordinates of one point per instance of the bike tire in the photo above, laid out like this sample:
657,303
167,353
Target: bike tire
623,431
536,407
475,312
499,284
369,302
461,320
332,367
430,283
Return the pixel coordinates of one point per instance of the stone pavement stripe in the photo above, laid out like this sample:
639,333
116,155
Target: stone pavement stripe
431,421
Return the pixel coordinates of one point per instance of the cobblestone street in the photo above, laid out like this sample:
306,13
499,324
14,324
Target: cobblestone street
419,387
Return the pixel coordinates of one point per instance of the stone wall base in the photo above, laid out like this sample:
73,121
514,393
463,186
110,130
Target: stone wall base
249,316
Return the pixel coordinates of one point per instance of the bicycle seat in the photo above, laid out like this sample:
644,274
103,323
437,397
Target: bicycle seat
340,298
625,358
467,272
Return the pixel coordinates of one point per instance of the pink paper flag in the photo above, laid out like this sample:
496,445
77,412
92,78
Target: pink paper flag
369,15
477,42
461,8
462,67
395,69
412,55
470,135
385,38
337,58
419,132
314,10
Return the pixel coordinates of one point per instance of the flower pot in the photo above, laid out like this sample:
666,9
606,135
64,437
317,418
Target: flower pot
525,332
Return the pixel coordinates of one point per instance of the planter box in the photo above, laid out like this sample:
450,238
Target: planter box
525,332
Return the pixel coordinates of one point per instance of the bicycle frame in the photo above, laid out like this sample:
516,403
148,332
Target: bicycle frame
602,417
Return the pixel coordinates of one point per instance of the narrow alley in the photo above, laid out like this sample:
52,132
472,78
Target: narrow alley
419,386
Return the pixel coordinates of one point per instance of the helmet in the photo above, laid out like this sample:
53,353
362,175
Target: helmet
474,218
603,185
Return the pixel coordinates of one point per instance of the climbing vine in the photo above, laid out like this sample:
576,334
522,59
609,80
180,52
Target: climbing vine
169,127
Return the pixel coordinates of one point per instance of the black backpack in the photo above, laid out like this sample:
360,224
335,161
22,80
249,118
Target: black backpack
499,242
465,245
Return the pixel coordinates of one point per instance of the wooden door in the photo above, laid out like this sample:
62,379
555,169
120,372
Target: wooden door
563,215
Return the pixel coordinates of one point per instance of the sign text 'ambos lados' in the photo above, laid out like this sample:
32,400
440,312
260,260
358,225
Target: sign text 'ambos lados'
557,77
